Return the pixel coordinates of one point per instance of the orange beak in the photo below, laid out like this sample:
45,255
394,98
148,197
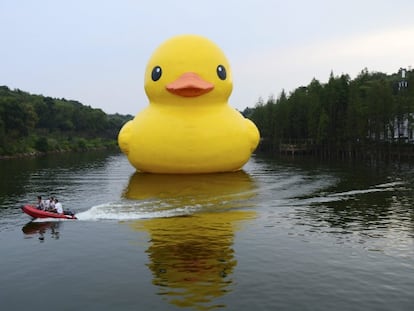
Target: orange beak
189,84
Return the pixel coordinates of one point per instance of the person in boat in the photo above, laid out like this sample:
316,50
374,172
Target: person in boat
58,207
51,206
40,204
47,204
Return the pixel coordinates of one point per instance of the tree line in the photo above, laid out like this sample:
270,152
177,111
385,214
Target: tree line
371,114
36,123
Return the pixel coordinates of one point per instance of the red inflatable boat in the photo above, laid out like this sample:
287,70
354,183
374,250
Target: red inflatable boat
37,213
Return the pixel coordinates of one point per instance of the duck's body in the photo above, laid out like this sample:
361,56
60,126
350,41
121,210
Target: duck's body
188,126
185,140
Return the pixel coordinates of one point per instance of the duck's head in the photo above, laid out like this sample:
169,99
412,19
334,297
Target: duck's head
188,69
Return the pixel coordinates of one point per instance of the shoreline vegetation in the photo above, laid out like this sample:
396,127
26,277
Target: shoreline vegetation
37,153
34,125
370,117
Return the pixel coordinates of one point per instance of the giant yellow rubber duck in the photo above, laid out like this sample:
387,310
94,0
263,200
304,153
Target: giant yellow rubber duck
188,126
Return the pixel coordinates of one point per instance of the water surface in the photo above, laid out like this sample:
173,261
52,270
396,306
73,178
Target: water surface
279,235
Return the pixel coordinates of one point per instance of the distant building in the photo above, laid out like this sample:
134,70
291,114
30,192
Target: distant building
403,128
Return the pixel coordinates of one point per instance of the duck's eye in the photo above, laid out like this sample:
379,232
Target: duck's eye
221,72
156,73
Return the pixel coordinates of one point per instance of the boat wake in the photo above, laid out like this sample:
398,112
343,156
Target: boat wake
133,211
346,195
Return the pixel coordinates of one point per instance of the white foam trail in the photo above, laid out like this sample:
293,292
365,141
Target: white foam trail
378,188
354,192
119,211
390,184
340,196
320,199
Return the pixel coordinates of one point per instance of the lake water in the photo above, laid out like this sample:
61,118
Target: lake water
280,235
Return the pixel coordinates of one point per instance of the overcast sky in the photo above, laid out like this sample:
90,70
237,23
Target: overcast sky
95,51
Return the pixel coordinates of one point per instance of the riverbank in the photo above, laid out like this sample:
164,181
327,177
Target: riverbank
36,153
385,151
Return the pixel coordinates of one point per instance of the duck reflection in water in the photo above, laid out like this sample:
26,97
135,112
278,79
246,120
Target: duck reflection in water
40,229
191,256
